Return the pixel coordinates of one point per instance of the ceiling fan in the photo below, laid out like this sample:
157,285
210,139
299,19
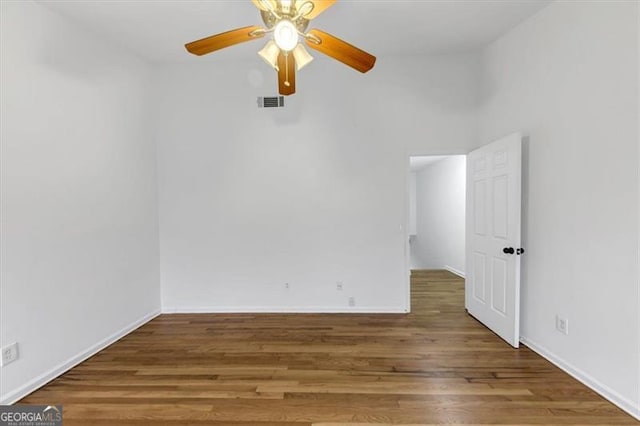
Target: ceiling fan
288,21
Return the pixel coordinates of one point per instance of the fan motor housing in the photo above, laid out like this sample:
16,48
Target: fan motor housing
270,20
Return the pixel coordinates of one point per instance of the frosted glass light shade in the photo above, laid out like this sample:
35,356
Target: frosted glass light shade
301,56
286,35
270,54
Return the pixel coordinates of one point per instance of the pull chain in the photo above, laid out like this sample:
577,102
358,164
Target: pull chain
286,65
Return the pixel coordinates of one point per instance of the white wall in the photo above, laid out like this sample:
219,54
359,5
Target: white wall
311,194
568,79
79,216
440,212
413,207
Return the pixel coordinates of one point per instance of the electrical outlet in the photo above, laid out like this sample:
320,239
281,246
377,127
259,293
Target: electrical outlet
9,354
562,324
286,286
339,286
352,301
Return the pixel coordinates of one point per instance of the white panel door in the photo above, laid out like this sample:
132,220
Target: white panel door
492,285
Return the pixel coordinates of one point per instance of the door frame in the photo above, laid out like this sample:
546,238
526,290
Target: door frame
405,227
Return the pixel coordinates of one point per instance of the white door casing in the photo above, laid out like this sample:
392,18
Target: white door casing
492,284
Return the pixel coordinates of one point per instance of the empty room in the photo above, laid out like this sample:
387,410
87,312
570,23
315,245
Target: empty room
319,212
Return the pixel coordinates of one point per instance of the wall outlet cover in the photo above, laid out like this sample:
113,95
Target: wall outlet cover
562,324
9,354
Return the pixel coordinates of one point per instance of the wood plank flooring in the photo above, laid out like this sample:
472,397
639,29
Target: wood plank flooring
436,365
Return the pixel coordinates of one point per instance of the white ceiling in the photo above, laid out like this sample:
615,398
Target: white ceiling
158,30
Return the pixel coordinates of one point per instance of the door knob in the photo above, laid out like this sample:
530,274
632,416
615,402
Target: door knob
508,250
519,251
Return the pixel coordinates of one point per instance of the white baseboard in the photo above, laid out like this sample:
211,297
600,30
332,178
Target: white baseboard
43,379
280,310
625,404
454,271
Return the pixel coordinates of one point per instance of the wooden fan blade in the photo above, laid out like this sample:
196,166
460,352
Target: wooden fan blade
286,74
220,41
319,6
341,51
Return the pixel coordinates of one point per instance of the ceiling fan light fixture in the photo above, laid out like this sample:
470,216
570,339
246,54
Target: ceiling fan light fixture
301,56
288,20
270,54
285,35
286,6
267,5
304,9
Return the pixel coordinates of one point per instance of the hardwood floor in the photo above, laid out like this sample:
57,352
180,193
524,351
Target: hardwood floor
436,365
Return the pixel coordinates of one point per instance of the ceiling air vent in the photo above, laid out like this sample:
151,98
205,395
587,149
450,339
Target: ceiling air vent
271,102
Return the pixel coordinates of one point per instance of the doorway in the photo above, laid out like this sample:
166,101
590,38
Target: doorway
437,209
464,216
